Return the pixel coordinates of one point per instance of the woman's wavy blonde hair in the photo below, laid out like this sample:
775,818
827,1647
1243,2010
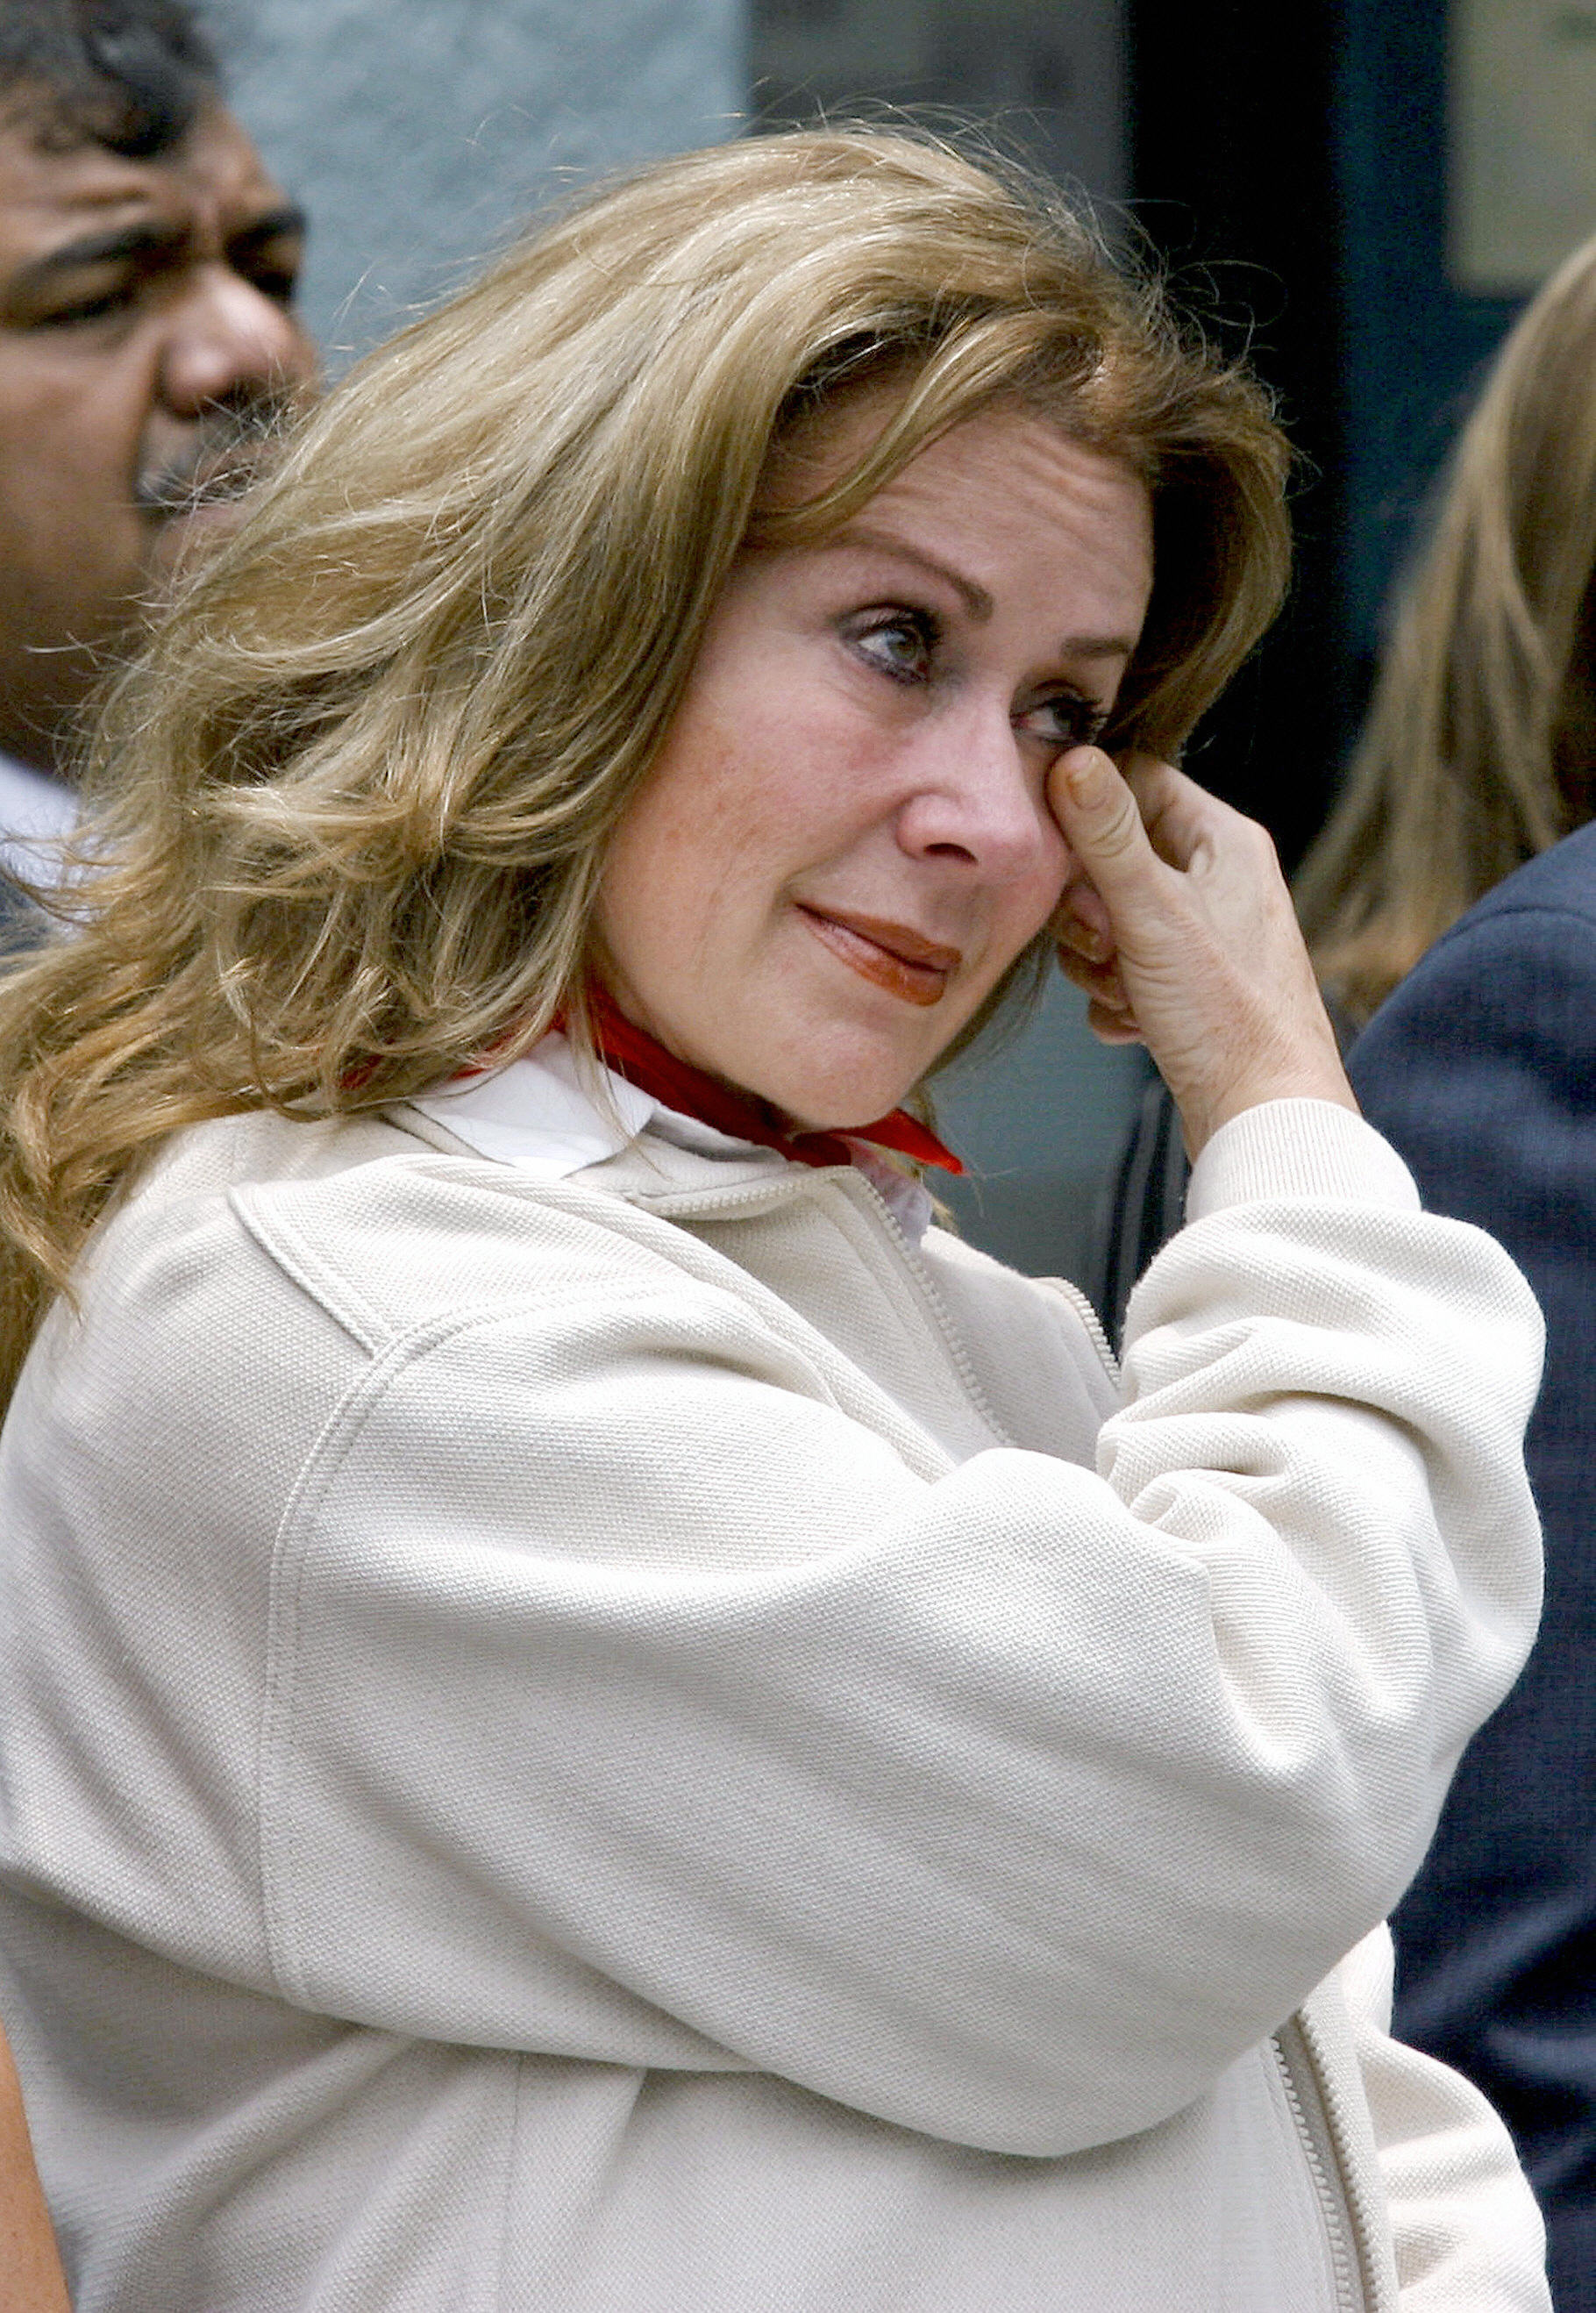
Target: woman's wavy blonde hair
1479,750
355,796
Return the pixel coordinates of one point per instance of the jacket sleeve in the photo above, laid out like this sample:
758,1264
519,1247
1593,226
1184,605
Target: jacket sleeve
1482,1069
617,1673
1464,2224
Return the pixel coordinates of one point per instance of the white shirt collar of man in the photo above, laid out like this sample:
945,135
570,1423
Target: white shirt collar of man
36,812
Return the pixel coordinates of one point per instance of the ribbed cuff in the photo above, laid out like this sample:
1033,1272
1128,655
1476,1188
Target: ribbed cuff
1298,1149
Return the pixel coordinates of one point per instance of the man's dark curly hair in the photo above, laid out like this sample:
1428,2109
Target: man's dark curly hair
130,75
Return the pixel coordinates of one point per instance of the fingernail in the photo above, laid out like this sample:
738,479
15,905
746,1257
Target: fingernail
1087,776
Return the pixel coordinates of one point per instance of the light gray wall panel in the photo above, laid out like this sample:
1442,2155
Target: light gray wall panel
417,132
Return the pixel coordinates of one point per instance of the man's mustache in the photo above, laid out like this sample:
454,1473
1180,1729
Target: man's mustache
229,449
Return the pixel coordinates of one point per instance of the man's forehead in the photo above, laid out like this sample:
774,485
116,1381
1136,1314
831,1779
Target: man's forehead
53,188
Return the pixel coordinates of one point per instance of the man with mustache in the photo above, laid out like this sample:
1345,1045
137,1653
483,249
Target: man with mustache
148,270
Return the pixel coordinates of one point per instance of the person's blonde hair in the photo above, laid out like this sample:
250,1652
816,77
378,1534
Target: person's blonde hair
1479,749
359,790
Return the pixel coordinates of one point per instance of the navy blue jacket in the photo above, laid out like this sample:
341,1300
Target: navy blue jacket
1481,1068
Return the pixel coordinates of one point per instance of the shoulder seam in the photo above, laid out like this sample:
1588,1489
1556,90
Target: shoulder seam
331,1291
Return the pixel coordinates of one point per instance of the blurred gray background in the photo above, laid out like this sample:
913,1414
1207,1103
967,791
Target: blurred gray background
419,133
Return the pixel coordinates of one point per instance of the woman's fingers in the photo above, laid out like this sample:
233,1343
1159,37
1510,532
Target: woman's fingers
1097,976
1191,944
1082,925
1102,815
1175,812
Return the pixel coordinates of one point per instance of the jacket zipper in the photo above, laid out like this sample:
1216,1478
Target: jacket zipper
776,1191
1093,1324
1367,2222
950,1331
918,1269
938,1310
1316,2108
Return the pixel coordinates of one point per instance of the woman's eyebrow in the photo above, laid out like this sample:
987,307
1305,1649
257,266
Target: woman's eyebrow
977,601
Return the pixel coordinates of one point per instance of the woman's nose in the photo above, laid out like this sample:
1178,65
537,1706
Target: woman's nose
227,341
978,798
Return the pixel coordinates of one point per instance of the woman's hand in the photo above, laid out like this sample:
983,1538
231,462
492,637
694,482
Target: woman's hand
1180,929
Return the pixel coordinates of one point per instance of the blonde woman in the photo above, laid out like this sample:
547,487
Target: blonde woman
597,1713
1480,751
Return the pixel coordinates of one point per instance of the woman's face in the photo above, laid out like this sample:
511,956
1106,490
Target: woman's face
845,842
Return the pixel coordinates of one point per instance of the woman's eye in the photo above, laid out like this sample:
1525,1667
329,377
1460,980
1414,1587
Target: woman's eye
900,642
1066,720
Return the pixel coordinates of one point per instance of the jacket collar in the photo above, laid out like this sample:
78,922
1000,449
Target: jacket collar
547,1116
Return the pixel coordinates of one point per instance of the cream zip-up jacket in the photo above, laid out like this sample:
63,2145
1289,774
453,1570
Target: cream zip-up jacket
588,1729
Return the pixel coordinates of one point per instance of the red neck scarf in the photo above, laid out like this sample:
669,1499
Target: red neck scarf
633,1053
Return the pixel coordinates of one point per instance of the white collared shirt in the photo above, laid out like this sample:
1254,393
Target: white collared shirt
539,1115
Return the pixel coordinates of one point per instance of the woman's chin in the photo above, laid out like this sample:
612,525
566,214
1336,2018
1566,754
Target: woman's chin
842,1107
832,1078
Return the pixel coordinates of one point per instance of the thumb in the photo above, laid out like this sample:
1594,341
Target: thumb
1099,819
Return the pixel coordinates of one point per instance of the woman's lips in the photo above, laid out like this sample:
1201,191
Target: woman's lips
893,956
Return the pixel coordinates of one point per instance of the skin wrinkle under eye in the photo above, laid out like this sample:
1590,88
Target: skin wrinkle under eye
1086,715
